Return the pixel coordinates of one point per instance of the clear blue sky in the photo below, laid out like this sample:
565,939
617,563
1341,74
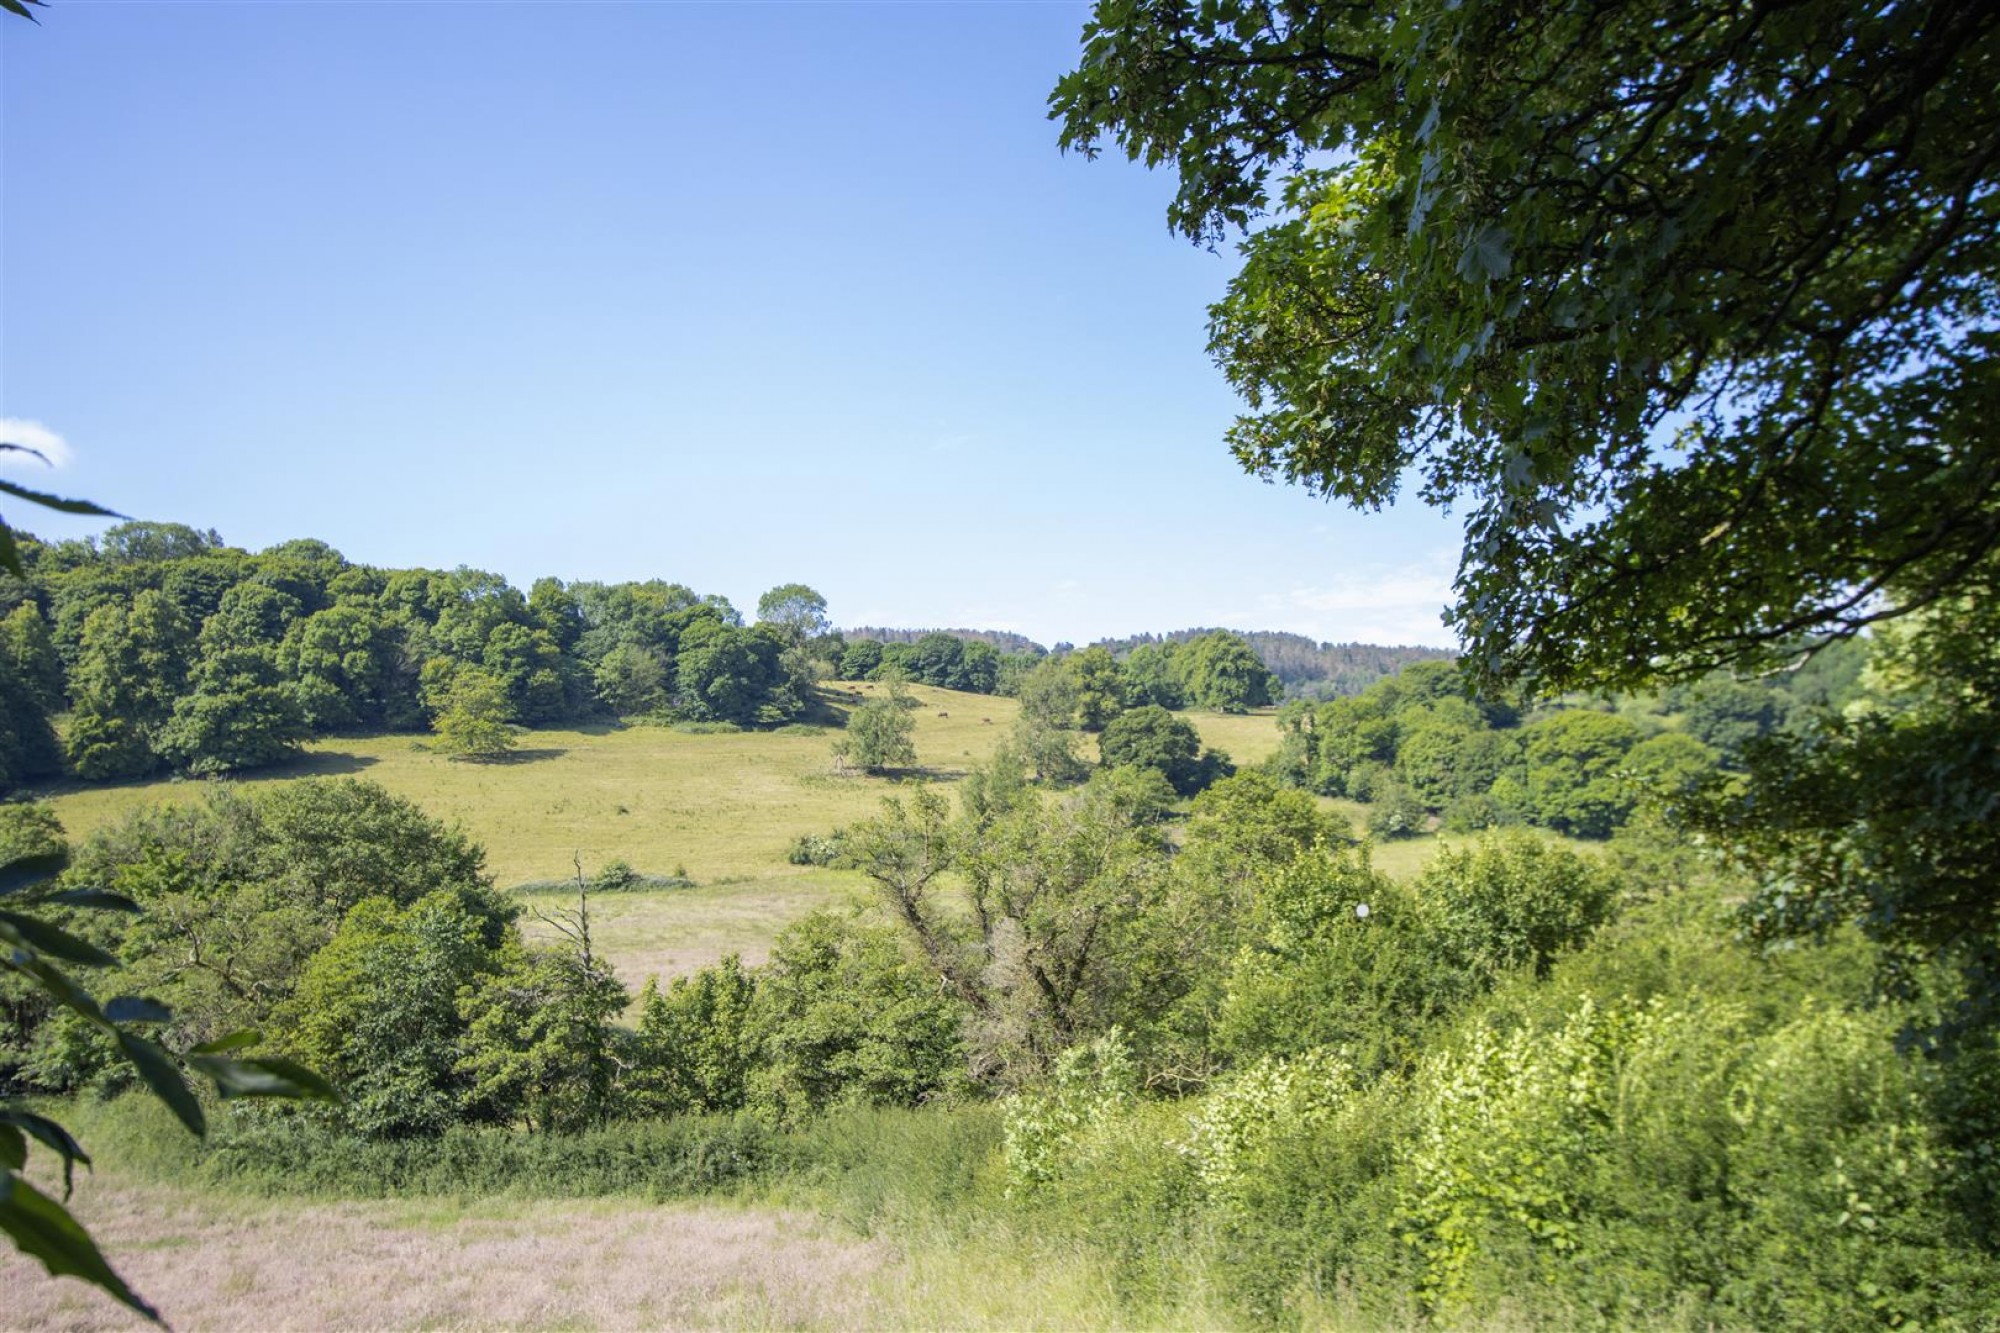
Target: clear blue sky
729,294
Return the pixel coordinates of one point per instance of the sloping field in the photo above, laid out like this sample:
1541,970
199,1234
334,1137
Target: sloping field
718,806
719,809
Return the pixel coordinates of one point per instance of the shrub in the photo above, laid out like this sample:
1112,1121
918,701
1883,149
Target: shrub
1151,737
695,1046
655,1159
1516,900
1470,814
880,734
1049,1131
1230,1136
1344,957
1396,812
616,876
1676,1158
845,1014
817,849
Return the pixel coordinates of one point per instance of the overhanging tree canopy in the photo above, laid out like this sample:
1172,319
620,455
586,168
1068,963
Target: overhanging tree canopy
1688,304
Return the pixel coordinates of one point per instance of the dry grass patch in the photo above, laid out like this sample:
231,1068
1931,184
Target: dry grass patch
1247,738
673,932
215,1261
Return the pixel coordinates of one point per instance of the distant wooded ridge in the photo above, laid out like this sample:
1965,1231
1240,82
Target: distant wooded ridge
1309,669
162,648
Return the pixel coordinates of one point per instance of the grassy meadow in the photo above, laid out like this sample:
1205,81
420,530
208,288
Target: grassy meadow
721,809
899,1237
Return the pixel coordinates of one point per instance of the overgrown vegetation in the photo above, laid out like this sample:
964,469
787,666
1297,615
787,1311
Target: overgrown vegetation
1530,1085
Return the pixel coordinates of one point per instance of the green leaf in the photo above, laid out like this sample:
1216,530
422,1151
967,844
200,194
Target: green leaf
157,1068
102,899
51,1135
56,983
24,871
52,940
43,1229
1487,256
57,502
270,1077
13,1148
137,1009
234,1041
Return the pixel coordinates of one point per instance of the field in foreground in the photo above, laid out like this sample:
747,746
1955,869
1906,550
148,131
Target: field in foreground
223,1261
874,1218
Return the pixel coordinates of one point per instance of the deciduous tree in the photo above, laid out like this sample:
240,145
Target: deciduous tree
1690,308
880,733
474,721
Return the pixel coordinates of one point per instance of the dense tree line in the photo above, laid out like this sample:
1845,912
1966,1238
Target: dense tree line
939,658
1006,642
1215,669
1299,667
1307,669
1417,746
170,649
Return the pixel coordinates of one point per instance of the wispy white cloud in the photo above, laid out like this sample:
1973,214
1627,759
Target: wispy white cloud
1368,604
32,435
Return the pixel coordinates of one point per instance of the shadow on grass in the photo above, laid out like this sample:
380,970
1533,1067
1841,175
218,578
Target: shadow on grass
830,708
900,775
522,756
318,764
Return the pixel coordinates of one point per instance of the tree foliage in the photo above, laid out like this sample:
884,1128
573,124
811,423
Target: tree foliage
376,1010
1221,671
1690,307
1152,738
880,733
795,610
474,719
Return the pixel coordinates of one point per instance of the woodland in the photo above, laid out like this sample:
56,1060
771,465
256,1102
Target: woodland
1685,1019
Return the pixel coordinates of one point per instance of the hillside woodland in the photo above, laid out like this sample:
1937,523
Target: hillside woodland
165,650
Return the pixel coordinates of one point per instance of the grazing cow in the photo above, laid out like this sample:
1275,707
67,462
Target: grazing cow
942,713
985,721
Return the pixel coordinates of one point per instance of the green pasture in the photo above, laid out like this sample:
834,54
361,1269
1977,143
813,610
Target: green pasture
721,809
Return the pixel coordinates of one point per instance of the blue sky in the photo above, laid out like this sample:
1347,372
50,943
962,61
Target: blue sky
729,294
